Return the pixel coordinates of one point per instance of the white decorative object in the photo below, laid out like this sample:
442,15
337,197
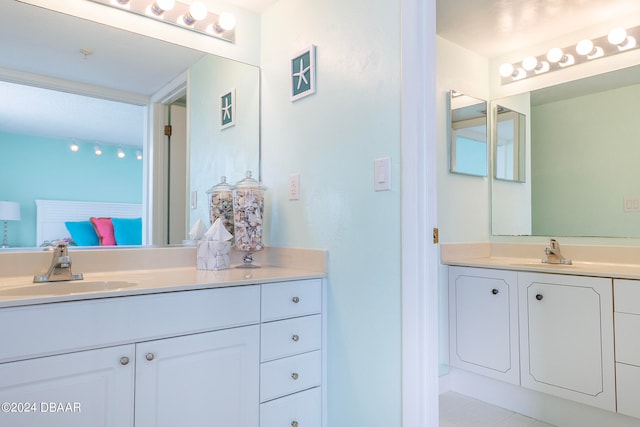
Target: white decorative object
214,252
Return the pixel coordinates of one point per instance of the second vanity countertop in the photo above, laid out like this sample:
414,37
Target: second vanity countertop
596,261
281,265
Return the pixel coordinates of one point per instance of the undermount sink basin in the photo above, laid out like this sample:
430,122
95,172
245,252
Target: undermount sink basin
67,288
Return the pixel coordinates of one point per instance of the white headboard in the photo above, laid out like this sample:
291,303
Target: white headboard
52,214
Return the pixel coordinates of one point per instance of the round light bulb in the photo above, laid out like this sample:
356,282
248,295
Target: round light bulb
227,21
97,150
584,47
617,36
121,153
529,63
138,154
166,4
555,54
198,11
506,70
74,147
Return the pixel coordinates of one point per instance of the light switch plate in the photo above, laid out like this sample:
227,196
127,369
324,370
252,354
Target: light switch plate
382,174
194,200
294,186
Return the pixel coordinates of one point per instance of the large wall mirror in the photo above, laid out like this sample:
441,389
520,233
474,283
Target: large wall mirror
91,63
467,134
584,151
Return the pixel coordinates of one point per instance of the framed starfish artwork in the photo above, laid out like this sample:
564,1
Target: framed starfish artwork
303,73
228,109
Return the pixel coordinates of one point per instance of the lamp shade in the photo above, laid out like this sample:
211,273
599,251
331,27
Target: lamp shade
9,211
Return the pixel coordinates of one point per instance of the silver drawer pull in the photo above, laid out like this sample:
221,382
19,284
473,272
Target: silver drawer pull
124,360
294,424
294,376
149,356
295,300
295,338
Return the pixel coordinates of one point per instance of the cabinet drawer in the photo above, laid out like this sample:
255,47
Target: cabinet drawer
39,330
289,375
289,337
628,389
627,339
626,296
291,299
302,409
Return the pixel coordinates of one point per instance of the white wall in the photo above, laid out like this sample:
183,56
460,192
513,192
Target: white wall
331,138
463,201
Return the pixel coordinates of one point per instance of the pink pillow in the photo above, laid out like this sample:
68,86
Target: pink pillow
104,230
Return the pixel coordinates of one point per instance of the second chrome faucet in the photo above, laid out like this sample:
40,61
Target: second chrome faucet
554,256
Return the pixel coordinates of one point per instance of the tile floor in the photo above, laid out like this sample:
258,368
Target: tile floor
457,410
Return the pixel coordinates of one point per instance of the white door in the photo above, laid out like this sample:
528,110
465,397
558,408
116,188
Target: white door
177,175
208,379
89,388
566,328
483,308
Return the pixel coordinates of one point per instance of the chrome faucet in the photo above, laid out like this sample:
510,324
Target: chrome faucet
60,268
554,256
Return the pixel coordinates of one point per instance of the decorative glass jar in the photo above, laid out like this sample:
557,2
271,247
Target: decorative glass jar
221,204
248,212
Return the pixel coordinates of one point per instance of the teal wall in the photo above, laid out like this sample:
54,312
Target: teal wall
332,138
585,153
43,168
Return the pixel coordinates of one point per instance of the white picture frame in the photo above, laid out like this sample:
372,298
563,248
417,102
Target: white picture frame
303,73
228,109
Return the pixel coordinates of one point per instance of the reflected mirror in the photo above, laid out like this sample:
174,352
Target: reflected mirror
509,144
584,151
76,56
467,134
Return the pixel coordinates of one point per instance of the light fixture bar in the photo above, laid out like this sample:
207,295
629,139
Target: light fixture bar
617,41
180,15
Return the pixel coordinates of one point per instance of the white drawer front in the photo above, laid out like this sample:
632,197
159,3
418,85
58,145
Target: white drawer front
291,299
626,295
286,376
38,330
628,389
302,409
627,339
289,337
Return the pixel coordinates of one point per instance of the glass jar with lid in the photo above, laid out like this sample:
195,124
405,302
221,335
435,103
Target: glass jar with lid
248,214
221,204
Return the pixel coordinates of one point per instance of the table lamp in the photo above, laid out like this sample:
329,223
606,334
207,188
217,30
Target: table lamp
9,211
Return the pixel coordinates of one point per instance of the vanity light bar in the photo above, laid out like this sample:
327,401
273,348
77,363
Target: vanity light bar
617,41
194,16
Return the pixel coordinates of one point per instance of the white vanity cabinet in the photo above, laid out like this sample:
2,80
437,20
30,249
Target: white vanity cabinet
291,360
566,336
627,324
483,319
196,380
235,356
86,388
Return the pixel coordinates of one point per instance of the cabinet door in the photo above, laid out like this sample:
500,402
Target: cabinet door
87,388
483,322
208,379
567,337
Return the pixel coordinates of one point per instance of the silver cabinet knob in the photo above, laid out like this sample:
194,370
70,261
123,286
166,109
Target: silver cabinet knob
124,360
294,376
295,338
149,356
294,424
295,300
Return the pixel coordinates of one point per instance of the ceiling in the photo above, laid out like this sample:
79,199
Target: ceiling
495,27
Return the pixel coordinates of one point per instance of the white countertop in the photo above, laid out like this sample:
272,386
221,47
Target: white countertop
594,269
148,282
616,262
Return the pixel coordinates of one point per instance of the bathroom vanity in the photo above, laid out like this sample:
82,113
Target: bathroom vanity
181,347
548,328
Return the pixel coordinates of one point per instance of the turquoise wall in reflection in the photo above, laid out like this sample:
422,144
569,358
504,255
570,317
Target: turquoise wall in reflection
34,168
